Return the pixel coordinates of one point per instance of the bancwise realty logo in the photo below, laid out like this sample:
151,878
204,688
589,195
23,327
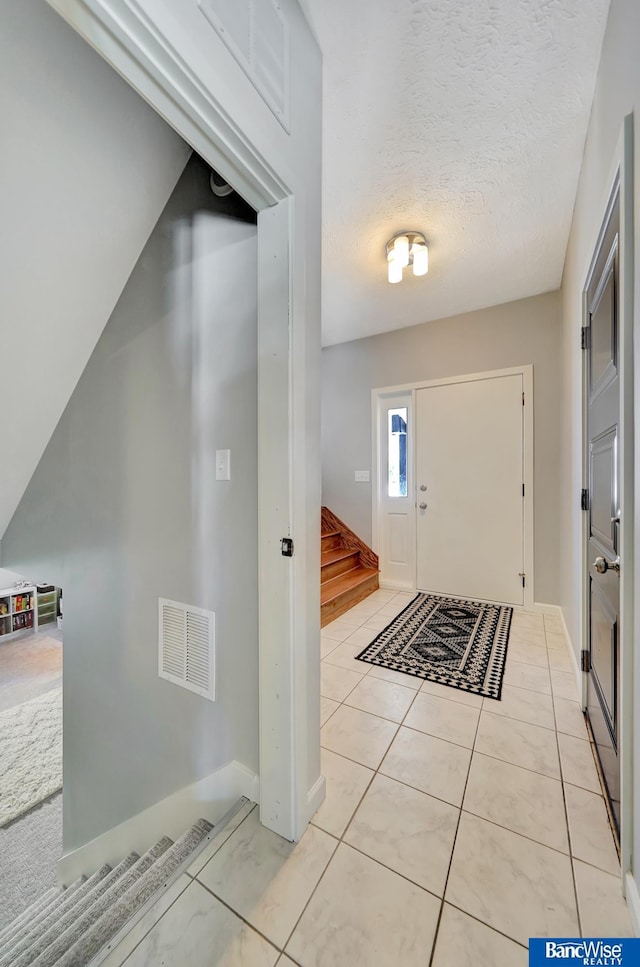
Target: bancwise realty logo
608,952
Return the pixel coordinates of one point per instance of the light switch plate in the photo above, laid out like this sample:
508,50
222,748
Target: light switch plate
361,476
223,464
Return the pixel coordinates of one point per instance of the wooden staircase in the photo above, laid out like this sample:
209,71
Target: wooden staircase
349,569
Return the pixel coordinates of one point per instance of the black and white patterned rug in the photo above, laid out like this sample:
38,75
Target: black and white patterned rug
446,640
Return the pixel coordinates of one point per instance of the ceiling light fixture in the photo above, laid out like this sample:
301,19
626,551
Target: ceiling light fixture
407,248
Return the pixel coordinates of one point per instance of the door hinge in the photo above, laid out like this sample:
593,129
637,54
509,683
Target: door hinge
286,546
523,399
523,490
584,499
585,660
524,577
584,337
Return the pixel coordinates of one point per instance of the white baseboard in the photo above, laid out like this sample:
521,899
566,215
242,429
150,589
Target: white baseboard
210,798
577,671
548,608
396,586
316,796
557,610
633,902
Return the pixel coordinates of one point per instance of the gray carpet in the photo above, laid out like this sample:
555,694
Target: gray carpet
29,666
30,848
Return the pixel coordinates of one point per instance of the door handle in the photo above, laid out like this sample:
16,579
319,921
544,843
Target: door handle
602,565
422,506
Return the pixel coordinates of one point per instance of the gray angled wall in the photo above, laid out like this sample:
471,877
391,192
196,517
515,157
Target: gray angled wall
124,508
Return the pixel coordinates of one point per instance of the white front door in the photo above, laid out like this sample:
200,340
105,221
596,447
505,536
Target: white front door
469,489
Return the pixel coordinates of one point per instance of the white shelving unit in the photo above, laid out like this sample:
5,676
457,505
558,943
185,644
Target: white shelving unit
18,612
47,606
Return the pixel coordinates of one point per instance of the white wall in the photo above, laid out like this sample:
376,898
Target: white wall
86,168
521,332
617,94
124,508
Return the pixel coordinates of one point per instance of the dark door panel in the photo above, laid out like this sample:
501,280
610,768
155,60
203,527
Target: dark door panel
603,415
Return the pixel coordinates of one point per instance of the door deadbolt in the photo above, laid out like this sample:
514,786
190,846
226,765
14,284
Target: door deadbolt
423,487
422,506
602,565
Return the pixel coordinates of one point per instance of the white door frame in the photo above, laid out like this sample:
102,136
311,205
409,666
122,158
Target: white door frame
381,394
621,178
126,39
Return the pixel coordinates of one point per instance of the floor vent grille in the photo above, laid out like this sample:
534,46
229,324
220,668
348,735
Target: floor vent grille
186,647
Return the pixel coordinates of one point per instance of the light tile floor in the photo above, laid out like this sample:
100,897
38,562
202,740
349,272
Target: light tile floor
454,827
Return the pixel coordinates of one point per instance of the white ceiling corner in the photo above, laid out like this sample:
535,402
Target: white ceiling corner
465,121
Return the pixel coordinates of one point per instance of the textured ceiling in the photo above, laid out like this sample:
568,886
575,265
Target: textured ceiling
463,119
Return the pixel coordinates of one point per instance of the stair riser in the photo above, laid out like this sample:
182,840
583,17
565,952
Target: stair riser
335,568
330,542
333,609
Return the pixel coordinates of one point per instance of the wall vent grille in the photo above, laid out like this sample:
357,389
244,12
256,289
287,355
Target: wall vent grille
257,34
186,647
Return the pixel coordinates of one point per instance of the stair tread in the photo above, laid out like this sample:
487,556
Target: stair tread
345,582
28,916
66,908
43,940
121,910
29,925
339,554
58,949
330,533
74,925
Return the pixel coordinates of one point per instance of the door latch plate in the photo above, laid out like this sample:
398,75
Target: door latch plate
286,546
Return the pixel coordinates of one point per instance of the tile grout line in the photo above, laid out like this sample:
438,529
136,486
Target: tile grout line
566,817
377,772
384,775
223,843
340,839
487,925
453,847
240,916
152,927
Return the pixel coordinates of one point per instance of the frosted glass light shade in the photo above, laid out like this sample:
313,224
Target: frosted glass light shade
394,271
420,259
401,250
404,250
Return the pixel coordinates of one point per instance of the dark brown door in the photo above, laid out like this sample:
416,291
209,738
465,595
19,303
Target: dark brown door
603,424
